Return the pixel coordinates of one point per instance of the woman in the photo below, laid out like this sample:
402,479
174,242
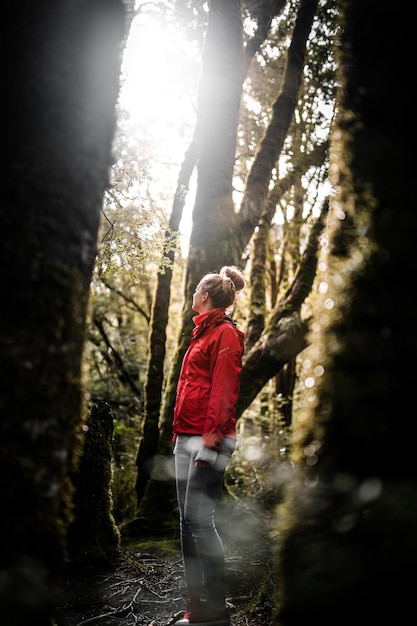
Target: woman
205,437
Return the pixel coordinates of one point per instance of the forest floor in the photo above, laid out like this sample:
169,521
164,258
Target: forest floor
147,588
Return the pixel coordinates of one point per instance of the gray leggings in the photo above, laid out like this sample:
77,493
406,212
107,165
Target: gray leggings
198,489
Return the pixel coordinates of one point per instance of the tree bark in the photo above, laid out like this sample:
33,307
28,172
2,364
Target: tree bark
285,334
260,240
348,543
93,537
59,88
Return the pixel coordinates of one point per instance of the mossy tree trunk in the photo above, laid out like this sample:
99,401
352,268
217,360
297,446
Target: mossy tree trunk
93,537
348,525
59,88
286,332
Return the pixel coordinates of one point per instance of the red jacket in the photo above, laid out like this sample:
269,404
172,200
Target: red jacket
208,386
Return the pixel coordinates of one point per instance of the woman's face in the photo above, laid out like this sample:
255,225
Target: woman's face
200,299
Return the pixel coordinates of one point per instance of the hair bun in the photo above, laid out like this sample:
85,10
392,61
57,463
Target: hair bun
235,274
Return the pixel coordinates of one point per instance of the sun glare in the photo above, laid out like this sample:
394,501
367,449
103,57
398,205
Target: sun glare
160,73
159,76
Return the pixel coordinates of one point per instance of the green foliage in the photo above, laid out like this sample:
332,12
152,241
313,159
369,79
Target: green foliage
133,235
134,232
162,547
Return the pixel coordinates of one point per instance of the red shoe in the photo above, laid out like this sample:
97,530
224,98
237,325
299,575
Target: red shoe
207,615
192,604
184,621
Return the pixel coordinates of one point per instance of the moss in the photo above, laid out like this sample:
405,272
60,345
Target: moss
165,548
94,539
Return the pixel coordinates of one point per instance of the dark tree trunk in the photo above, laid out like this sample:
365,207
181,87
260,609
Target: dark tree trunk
60,83
351,508
282,113
93,537
260,244
285,334
157,337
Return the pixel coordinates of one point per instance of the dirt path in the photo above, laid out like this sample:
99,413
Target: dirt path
147,590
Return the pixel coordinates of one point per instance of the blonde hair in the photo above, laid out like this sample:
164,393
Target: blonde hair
224,286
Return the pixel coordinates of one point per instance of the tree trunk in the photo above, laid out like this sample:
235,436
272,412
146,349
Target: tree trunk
348,525
282,113
157,337
286,332
93,537
59,89
260,241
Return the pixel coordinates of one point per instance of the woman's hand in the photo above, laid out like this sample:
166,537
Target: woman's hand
206,457
202,464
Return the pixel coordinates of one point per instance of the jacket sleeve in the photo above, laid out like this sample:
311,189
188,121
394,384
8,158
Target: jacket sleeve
226,365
